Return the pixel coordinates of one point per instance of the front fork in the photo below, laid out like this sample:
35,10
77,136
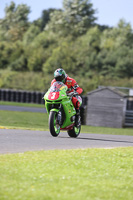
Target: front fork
59,117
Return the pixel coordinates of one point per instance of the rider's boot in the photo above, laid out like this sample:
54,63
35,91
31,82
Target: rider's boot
77,119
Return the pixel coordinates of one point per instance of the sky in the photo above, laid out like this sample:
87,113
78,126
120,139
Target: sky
109,12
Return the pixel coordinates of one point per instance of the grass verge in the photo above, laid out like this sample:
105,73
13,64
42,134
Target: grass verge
106,130
21,104
25,120
39,121
67,174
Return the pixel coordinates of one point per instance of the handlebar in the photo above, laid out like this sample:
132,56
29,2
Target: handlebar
71,94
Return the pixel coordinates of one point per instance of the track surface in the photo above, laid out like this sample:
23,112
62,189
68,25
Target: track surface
18,141
22,109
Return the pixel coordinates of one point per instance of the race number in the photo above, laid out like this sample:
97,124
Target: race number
53,95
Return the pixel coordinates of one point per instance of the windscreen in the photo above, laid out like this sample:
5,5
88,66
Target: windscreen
57,86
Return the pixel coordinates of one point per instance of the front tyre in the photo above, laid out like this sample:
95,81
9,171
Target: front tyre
74,132
54,127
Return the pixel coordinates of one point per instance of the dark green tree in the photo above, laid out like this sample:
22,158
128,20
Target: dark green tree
75,18
31,34
46,17
15,23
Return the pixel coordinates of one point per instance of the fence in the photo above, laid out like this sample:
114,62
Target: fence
21,96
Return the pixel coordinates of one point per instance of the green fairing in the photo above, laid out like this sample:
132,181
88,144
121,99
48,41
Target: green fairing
66,103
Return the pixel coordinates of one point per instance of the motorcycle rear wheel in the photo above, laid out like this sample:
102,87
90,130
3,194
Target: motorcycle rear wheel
74,132
53,125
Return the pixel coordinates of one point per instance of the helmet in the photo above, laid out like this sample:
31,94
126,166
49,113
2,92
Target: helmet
60,75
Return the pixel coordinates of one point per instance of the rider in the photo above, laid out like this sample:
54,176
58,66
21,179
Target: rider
73,88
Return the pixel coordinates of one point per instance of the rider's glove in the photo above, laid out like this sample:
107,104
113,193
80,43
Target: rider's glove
74,93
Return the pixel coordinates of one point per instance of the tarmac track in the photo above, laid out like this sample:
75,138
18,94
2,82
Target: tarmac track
22,109
19,141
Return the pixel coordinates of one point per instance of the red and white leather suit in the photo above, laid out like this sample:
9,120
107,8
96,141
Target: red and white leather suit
73,86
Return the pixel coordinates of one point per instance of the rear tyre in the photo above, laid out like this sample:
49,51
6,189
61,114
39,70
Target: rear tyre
54,127
74,132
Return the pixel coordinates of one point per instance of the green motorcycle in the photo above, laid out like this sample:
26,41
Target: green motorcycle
62,114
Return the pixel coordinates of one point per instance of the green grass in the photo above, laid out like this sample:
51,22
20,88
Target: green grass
21,104
106,130
91,174
24,120
39,121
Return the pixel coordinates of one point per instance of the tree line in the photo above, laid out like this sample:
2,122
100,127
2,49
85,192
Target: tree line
69,38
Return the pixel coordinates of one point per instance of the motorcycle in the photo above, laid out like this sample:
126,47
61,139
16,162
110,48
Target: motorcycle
62,113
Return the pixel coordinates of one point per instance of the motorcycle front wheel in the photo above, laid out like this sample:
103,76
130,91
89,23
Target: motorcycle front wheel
74,132
53,125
